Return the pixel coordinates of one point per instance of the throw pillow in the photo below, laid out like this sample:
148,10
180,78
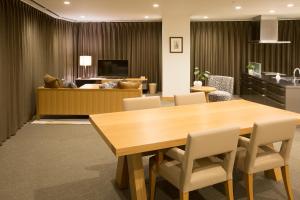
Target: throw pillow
109,85
51,82
129,84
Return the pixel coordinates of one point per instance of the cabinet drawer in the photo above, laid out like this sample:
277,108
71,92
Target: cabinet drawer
280,91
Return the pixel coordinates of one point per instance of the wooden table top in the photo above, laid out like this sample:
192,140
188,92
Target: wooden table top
203,89
139,131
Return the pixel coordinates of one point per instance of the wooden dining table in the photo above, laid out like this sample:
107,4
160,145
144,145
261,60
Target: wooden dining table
131,134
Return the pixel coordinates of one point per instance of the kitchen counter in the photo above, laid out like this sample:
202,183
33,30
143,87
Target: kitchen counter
265,89
282,82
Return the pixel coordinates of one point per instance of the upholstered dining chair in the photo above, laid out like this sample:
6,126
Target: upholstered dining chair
198,166
258,156
224,86
192,98
139,103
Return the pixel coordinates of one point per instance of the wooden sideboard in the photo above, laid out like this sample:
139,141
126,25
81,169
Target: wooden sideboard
81,101
266,90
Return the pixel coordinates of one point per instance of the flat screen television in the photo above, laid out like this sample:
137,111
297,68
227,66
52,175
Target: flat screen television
113,68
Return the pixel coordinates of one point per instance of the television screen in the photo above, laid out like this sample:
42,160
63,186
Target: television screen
113,68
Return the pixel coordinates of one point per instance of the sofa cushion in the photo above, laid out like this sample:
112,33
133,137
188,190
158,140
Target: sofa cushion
129,84
52,82
109,85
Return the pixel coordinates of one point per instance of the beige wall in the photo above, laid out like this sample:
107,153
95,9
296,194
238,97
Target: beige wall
175,66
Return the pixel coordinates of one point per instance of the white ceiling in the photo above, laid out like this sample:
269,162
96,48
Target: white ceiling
136,10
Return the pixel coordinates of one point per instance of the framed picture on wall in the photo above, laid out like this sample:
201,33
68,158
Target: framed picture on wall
176,44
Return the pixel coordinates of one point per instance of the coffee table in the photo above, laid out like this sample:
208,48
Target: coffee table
205,89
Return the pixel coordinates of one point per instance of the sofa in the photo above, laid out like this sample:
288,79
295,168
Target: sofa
81,101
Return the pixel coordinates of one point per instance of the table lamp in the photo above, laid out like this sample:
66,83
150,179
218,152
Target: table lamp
85,61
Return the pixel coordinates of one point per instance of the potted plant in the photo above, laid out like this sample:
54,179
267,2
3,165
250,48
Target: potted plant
200,76
250,68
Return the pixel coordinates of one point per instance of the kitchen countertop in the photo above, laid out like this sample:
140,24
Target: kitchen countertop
281,82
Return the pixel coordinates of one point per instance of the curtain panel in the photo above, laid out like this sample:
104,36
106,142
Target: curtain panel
32,44
224,48
137,42
220,47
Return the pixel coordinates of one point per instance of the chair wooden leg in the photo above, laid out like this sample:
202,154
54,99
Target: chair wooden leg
122,177
152,176
287,181
274,174
249,185
184,195
229,189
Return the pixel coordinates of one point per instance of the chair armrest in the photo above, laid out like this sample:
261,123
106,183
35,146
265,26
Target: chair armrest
243,142
267,148
176,154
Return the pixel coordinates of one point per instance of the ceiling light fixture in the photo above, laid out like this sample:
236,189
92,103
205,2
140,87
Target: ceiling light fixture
271,11
67,2
205,17
238,7
156,5
290,5
146,17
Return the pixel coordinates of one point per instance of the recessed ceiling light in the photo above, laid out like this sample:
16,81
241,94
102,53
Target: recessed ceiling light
82,16
205,17
156,5
146,17
67,2
290,5
238,7
271,11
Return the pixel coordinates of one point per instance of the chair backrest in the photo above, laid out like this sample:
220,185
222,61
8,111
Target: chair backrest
268,132
223,83
140,103
209,143
192,98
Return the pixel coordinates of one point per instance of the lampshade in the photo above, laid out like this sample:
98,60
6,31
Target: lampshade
85,60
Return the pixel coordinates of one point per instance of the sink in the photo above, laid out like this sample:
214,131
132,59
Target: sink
287,78
290,79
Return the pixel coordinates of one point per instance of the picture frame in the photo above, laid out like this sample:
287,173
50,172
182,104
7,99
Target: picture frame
176,44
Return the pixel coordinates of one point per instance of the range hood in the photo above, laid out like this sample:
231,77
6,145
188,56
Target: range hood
265,30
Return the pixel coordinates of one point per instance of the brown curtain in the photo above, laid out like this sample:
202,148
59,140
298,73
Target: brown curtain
280,57
220,47
223,48
137,42
32,44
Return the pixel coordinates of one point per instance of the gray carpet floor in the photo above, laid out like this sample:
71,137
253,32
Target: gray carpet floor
72,162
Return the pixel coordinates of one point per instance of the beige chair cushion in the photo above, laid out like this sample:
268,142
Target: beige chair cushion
192,98
206,172
140,103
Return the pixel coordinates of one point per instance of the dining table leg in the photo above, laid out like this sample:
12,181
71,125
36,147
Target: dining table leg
136,177
122,177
